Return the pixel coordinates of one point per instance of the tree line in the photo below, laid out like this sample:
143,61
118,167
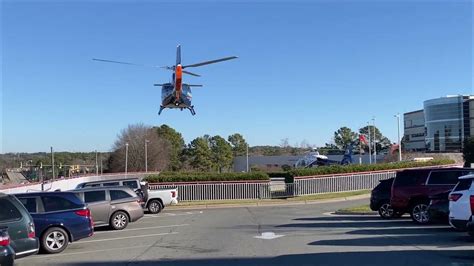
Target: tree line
167,150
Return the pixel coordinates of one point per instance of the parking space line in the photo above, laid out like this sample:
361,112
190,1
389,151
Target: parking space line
127,237
142,228
170,214
80,252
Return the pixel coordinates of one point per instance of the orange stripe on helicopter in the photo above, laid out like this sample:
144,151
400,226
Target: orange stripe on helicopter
178,81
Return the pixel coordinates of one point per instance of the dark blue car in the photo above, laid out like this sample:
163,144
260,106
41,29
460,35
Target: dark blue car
59,217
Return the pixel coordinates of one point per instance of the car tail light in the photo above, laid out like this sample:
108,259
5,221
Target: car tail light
84,213
173,194
454,196
31,230
4,240
471,201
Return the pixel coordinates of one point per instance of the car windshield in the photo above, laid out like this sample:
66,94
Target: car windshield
227,132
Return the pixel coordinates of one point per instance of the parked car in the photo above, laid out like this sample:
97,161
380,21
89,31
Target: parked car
380,199
152,200
111,206
412,188
7,255
18,230
460,202
438,209
60,218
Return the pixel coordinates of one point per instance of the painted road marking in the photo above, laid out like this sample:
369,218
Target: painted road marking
168,214
142,228
127,237
41,257
268,236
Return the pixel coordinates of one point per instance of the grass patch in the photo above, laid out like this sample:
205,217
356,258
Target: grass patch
357,209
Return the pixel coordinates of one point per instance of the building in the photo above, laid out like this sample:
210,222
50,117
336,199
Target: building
414,131
447,123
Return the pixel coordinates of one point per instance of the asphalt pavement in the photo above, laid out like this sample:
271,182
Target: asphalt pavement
271,235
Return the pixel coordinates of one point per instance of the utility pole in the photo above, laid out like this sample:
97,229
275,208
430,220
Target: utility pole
375,142
96,164
41,176
126,158
399,140
52,160
370,143
247,157
146,155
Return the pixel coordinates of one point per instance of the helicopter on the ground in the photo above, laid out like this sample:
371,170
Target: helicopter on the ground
176,94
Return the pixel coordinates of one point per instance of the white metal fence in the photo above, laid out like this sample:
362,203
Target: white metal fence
301,186
339,183
219,191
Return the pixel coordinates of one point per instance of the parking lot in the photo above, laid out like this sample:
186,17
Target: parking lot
275,235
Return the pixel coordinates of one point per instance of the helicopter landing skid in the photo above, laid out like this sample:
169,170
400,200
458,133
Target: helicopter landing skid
161,109
190,108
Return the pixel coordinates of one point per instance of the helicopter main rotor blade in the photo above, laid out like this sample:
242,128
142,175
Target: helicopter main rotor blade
211,62
191,73
127,63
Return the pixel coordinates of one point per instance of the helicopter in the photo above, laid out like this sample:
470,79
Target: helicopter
176,94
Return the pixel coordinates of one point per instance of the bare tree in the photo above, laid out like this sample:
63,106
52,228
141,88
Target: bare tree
136,135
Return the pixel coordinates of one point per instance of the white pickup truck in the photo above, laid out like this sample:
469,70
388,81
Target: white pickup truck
152,200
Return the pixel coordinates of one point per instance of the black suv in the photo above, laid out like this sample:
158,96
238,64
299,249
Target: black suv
18,228
380,199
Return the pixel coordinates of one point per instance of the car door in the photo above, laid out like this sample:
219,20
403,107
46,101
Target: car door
99,206
16,222
35,207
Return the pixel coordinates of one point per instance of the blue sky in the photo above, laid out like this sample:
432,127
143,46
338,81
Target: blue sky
304,68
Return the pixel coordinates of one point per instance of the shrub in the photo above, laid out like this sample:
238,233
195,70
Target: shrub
339,169
204,176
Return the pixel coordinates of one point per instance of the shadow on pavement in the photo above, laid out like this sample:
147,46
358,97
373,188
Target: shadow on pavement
406,231
350,224
386,258
389,241
346,218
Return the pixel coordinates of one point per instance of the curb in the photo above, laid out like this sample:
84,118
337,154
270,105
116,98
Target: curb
265,204
355,213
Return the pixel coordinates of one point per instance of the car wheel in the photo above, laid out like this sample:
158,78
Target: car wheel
155,206
386,211
119,220
419,213
54,240
470,233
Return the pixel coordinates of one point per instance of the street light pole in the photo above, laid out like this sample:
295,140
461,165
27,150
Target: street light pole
370,143
146,155
52,160
96,164
126,158
375,142
399,140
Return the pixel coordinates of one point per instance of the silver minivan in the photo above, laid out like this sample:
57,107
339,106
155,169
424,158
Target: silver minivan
111,206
